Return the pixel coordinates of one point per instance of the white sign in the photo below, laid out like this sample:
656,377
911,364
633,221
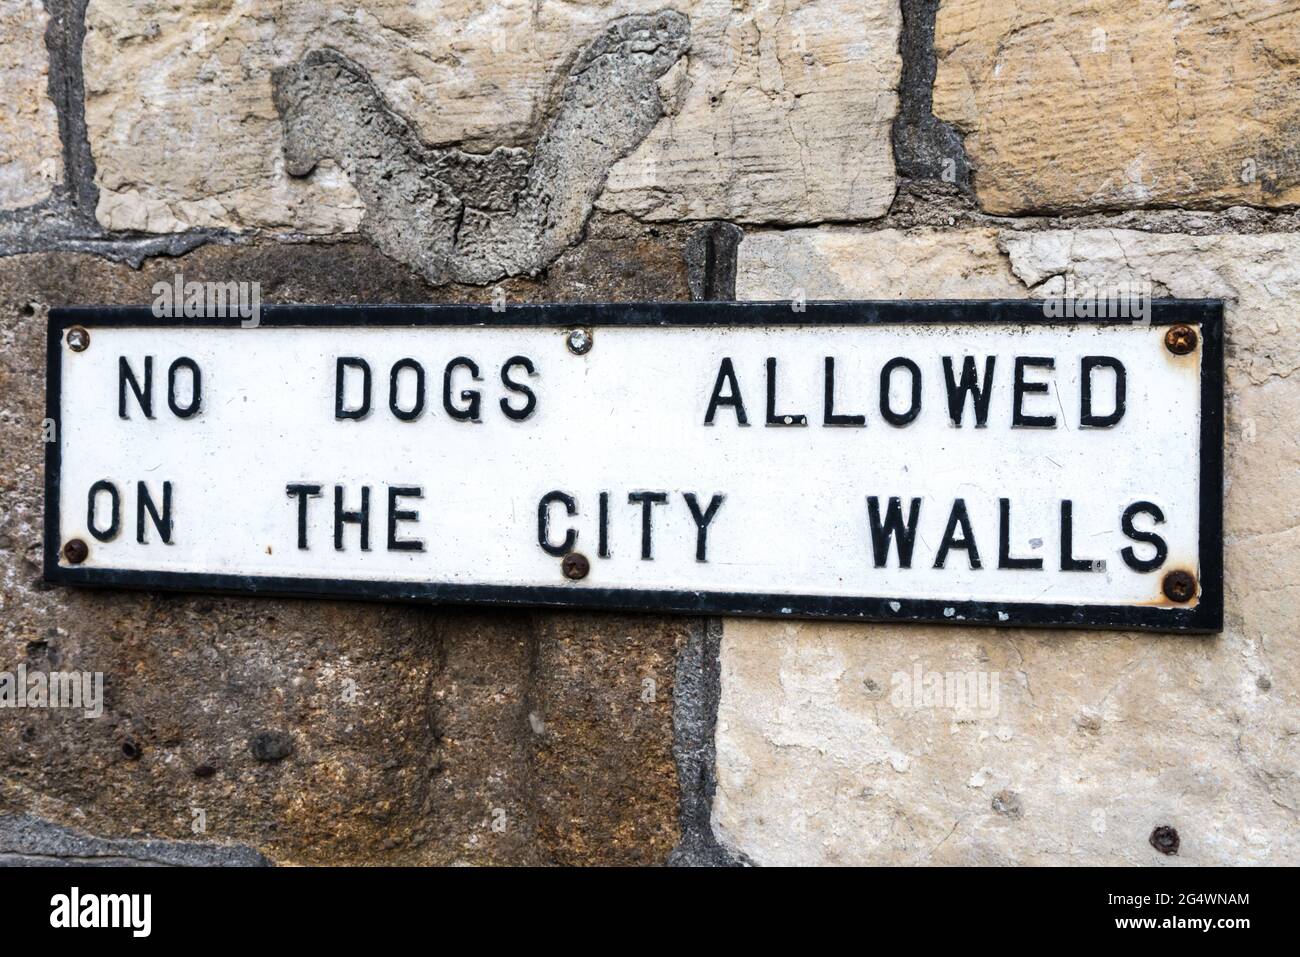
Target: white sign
961,462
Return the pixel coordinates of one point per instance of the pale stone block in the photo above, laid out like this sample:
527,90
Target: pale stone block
1093,739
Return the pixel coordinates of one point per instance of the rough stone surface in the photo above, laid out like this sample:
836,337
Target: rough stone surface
844,263
1120,104
776,115
420,735
1097,738
30,157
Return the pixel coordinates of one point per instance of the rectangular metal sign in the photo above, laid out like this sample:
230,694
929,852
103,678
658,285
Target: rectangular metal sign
963,462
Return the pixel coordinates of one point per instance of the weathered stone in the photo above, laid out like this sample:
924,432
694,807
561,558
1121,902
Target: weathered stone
1123,104
421,735
843,263
30,157
774,116
785,117
269,746
1102,737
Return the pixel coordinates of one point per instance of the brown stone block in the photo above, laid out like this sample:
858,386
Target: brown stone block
326,731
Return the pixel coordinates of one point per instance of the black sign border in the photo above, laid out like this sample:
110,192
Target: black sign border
1206,315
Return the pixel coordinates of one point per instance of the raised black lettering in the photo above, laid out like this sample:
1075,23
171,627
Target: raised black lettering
302,493
829,416
1068,562
602,544
340,376
360,517
1161,550
970,385
1021,388
394,388
773,417
958,518
647,500
530,399
472,397
196,388
143,396
702,520
544,523
396,515
1087,418
114,511
1005,558
726,377
886,379
892,529
145,503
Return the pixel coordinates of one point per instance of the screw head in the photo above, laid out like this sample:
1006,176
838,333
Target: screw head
579,341
78,339
1180,340
76,551
574,566
1179,587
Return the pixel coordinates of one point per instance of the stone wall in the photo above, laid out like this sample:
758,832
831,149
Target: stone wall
371,150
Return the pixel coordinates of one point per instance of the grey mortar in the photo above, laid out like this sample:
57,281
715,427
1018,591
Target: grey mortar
26,840
923,143
696,691
710,254
477,217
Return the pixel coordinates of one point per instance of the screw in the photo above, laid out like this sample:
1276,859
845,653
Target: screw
575,566
78,339
76,551
1165,839
579,341
1180,340
1179,586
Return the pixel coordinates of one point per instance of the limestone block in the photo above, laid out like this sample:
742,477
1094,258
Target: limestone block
1085,741
1119,103
773,116
30,154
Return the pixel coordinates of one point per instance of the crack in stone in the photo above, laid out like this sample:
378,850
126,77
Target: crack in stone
468,217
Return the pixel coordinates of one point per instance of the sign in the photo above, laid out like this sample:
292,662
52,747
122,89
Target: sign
962,462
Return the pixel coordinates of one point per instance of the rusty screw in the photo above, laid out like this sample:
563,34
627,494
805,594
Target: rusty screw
579,341
574,566
78,339
1179,586
76,551
1180,340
